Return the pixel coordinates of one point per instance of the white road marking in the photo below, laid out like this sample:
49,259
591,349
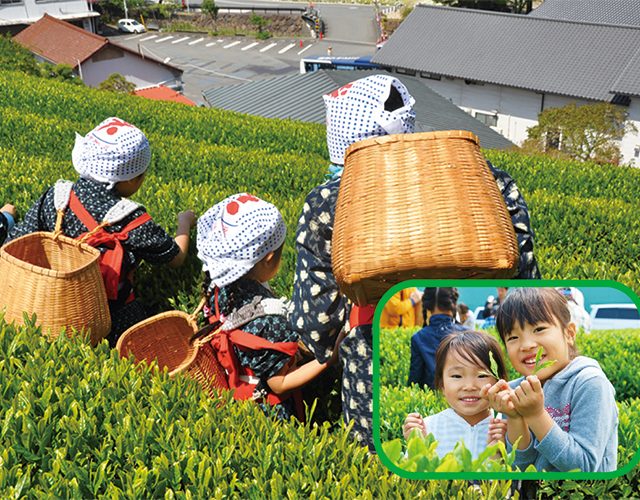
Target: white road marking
270,46
148,38
306,48
282,51
251,45
232,44
133,37
180,40
164,39
195,41
210,44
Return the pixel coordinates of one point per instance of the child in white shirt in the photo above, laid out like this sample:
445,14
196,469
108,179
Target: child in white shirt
462,369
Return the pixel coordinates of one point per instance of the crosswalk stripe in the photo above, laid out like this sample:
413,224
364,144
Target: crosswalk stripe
232,44
306,48
180,40
264,49
164,39
195,41
282,51
133,37
249,46
148,38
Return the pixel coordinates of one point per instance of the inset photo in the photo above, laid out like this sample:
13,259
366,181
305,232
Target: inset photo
495,379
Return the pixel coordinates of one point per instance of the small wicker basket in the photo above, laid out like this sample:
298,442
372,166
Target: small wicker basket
419,205
168,338
58,279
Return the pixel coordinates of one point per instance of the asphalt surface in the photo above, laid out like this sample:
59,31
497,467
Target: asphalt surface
218,61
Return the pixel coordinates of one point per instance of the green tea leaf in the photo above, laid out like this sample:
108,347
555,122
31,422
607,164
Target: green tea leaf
541,366
494,366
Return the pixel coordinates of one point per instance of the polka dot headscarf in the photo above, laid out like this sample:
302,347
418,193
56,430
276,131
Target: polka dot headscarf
356,112
236,234
114,151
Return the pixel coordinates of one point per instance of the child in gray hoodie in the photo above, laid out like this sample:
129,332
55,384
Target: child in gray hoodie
563,409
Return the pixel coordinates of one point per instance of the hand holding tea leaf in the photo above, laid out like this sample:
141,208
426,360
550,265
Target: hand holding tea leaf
541,366
493,367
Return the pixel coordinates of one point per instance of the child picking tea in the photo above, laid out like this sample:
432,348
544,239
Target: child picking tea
462,370
563,407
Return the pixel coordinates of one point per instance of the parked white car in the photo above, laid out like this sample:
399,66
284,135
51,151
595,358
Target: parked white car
130,26
614,316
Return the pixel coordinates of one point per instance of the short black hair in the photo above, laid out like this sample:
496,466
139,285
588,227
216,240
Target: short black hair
445,298
532,305
473,347
394,101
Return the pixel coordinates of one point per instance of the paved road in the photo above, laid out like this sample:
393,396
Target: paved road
212,62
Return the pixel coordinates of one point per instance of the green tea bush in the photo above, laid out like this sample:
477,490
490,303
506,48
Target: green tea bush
150,434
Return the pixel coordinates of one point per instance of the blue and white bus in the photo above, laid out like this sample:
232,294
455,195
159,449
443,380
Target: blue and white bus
310,64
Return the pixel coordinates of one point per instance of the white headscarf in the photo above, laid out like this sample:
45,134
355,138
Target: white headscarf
235,234
356,112
114,151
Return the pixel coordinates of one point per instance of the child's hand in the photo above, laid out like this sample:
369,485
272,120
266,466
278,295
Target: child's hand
500,397
497,431
416,296
528,397
10,209
413,421
186,219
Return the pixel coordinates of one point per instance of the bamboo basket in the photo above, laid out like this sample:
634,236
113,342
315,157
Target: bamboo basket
168,339
419,205
58,279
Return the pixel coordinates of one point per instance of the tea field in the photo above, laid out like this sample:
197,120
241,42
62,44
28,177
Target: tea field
78,422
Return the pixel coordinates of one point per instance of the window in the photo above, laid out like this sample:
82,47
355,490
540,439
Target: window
430,76
636,152
402,71
617,313
490,120
7,2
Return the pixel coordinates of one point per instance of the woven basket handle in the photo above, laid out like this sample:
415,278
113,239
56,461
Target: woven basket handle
193,316
57,231
93,231
210,331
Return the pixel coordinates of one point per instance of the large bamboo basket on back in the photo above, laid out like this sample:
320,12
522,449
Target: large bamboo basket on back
58,279
419,205
170,339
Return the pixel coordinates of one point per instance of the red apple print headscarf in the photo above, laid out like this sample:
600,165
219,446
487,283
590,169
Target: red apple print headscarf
356,112
235,234
114,151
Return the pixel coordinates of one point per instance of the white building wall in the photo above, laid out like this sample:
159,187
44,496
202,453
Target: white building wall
518,109
140,72
30,9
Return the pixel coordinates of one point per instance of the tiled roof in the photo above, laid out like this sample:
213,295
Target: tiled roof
621,12
60,42
543,55
162,93
63,43
299,97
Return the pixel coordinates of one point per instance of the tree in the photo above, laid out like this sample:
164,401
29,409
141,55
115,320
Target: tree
117,83
589,132
515,6
209,7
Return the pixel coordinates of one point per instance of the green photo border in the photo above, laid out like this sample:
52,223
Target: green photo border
463,283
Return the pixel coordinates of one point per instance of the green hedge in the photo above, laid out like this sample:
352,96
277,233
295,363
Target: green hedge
617,351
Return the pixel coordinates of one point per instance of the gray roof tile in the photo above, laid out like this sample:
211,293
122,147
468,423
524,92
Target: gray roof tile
299,97
621,12
562,57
